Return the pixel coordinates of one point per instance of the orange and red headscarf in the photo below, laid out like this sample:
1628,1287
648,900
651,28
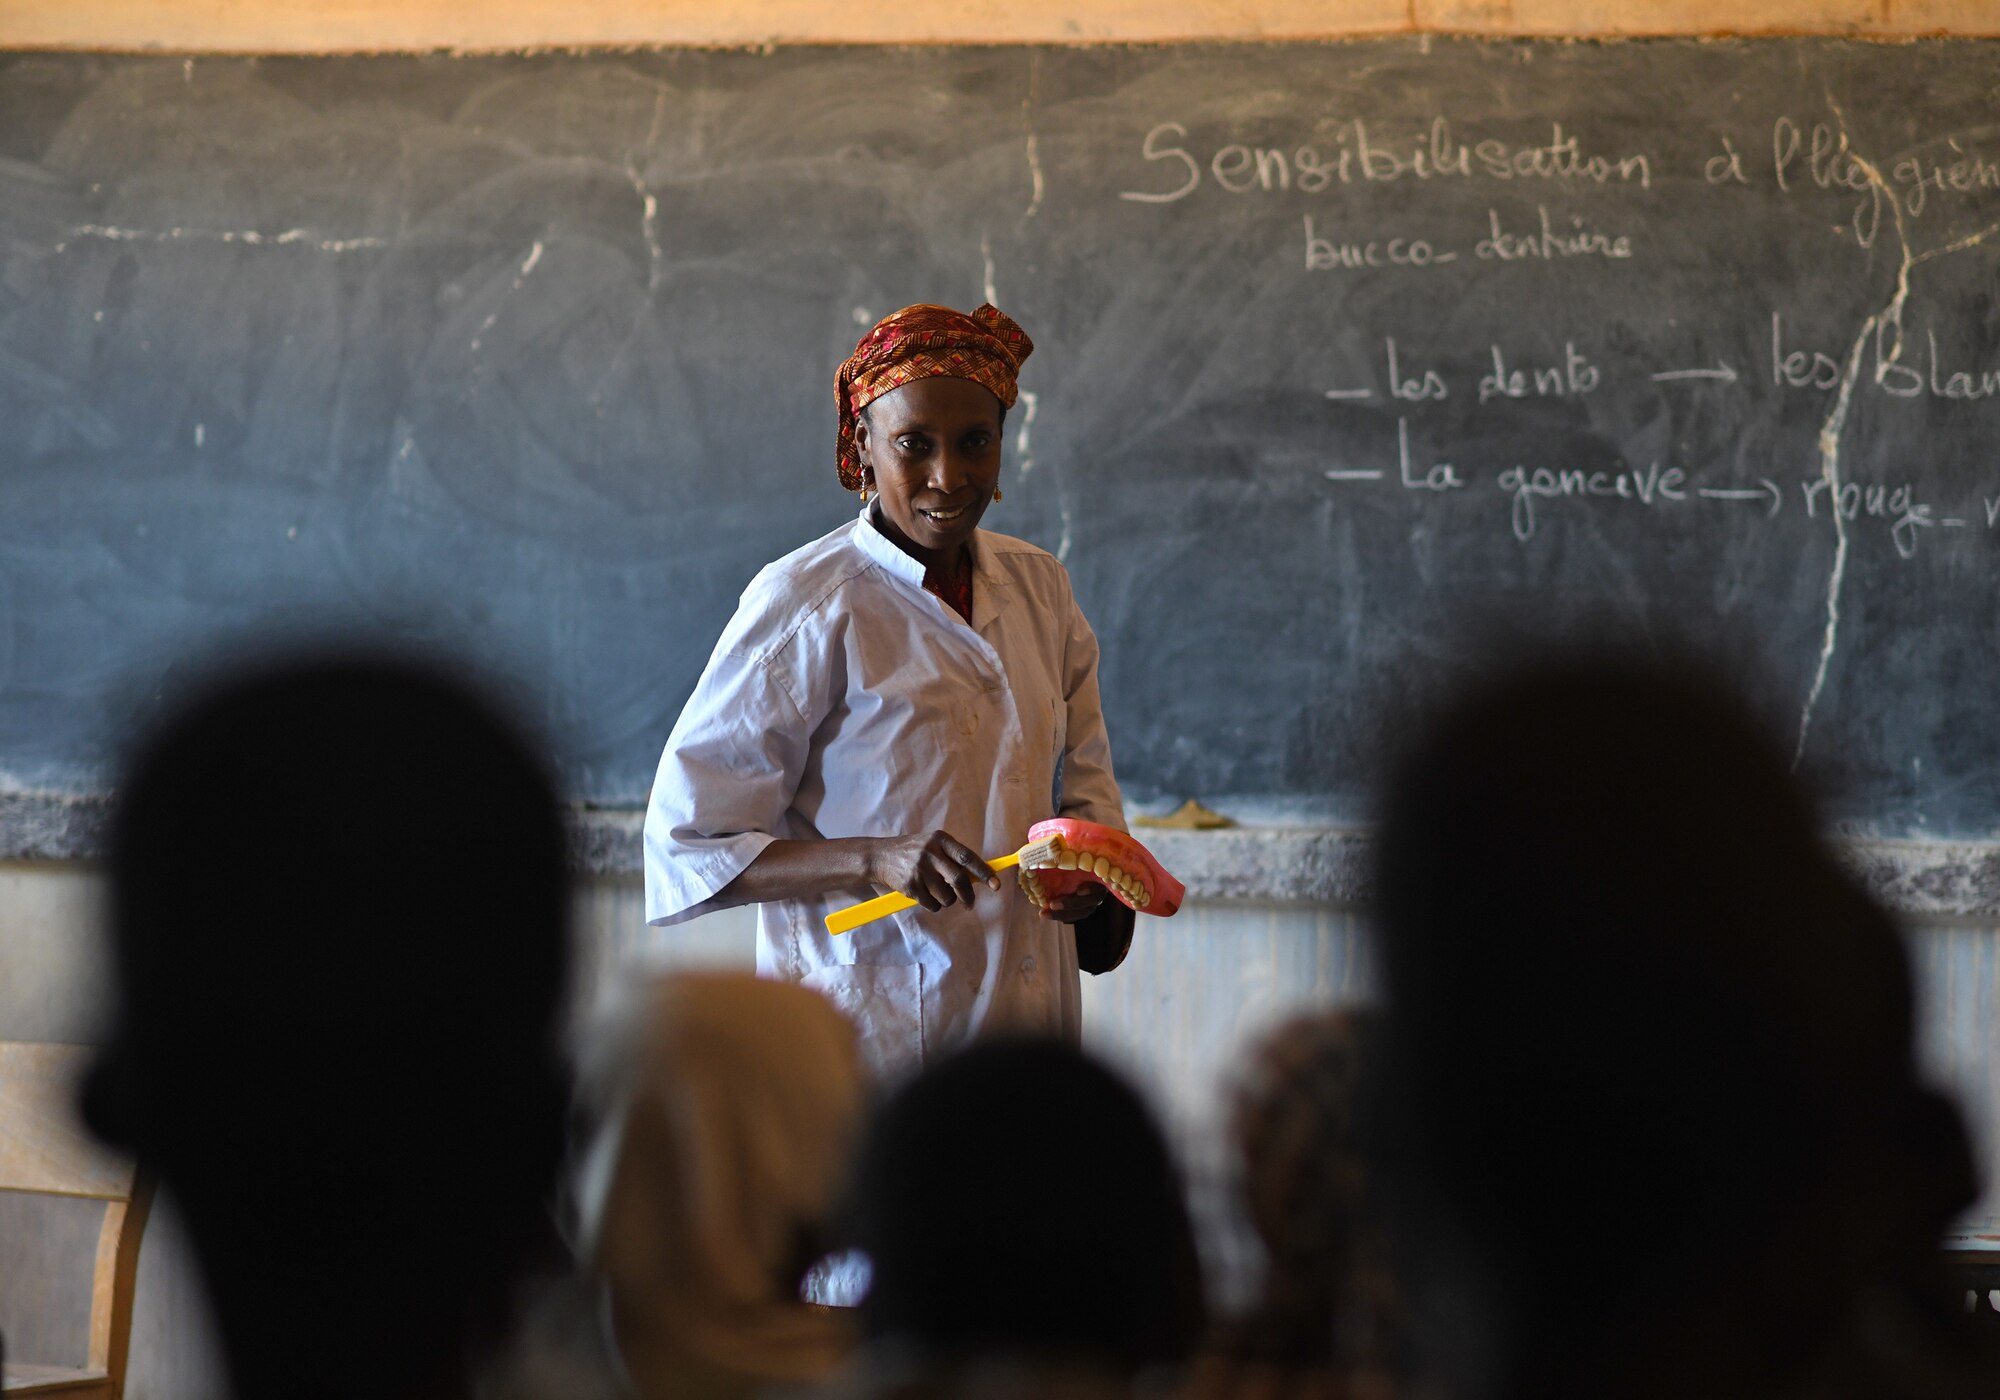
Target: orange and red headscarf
925,342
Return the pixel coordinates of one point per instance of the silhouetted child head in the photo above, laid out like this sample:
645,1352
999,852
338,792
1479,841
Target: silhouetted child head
339,927
1644,1039
726,1106
1326,1302
1016,1200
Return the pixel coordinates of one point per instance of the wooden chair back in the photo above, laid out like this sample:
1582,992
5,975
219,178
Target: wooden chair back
44,1150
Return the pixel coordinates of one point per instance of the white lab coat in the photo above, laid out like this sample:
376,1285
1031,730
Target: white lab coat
845,700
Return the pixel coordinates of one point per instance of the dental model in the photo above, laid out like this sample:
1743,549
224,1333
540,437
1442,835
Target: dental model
1062,855
854,916
1085,851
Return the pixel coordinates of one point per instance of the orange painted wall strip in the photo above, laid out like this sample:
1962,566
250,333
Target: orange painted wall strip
332,26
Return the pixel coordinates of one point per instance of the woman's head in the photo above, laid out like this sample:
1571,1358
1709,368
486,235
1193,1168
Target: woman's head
919,408
1018,1200
931,452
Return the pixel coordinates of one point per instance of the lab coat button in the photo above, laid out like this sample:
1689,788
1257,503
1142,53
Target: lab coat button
1027,964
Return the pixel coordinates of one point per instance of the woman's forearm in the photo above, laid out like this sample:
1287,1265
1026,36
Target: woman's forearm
803,870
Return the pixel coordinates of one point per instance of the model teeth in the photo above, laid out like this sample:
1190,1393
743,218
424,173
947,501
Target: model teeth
1032,887
1128,885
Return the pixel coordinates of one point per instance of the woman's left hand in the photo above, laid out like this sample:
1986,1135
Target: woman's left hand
1077,905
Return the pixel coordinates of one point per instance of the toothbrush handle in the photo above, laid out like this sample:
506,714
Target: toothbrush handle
867,912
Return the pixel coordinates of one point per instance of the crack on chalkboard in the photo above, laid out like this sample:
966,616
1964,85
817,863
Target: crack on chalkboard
493,317
1031,402
1033,152
1829,455
1836,421
649,225
1029,406
1971,240
649,203
1883,321
255,238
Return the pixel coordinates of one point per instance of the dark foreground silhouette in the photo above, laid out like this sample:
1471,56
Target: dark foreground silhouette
338,921
1023,1215
1648,1110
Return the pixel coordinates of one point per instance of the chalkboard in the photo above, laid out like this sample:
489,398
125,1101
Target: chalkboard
1353,357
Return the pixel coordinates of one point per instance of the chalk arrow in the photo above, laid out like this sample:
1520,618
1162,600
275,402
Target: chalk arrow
1767,490
1353,476
1722,371
1338,394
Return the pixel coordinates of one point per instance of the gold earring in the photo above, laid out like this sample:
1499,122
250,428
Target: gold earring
864,495
996,493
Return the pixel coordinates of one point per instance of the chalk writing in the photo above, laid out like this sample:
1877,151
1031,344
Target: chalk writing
1575,375
1442,476
1923,374
1647,487
1722,371
1765,491
1794,368
1821,156
1326,253
1363,155
1430,386
1878,501
1959,383
1577,241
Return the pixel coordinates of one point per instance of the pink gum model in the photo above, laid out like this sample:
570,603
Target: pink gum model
1103,855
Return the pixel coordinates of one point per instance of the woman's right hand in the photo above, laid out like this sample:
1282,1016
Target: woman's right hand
934,868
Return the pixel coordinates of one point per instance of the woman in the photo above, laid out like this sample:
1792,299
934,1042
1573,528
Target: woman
890,702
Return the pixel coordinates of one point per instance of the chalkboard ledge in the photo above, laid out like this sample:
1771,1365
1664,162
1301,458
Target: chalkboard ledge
1284,864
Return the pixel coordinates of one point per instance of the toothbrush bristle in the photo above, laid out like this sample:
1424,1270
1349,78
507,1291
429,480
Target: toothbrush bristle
1041,855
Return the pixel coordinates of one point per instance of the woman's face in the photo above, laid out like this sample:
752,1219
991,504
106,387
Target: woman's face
932,452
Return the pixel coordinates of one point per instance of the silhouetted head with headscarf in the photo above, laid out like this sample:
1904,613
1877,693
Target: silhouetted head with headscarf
1647,1073
339,927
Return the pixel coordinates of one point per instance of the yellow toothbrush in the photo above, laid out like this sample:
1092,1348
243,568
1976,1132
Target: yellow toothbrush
1035,853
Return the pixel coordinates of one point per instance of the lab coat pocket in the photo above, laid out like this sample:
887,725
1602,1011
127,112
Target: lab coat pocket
886,1004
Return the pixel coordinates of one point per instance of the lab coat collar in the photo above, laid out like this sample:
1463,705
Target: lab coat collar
887,553
990,586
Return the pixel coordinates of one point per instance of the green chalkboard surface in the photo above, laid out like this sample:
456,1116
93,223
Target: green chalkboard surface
1356,361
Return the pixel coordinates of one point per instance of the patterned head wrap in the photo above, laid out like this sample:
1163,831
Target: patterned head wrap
925,342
